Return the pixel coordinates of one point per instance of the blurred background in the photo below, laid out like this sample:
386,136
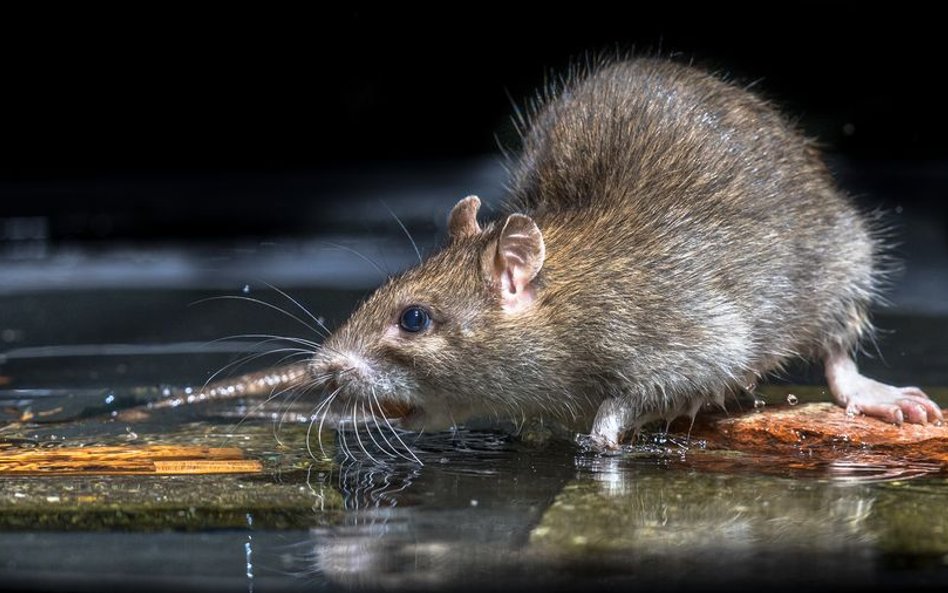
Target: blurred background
175,150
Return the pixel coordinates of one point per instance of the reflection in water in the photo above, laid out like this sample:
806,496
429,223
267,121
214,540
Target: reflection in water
860,472
627,506
488,510
368,487
461,518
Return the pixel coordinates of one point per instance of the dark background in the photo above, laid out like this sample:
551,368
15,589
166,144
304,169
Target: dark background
171,123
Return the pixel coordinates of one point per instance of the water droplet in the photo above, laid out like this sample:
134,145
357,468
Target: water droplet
473,502
849,128
109,399
792,399
245,289
898,209
10,335
759,403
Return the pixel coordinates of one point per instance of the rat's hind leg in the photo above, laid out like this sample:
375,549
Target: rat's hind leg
858,393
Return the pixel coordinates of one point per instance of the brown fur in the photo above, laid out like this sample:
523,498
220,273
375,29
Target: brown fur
694,241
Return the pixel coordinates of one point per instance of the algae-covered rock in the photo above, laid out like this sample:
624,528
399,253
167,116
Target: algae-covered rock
164,502
293,491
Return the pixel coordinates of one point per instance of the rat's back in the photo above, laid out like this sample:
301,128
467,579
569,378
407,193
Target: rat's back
690,214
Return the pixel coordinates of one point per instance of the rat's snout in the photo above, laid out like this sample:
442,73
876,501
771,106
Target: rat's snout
337,369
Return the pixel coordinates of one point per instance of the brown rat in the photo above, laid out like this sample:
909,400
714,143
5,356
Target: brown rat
670,239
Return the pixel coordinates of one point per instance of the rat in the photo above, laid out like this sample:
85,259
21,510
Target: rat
669,239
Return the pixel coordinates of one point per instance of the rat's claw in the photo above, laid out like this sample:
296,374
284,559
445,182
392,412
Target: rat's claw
932,410
895,404
887,412
861,395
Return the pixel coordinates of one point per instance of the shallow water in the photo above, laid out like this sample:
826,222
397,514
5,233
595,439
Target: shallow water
485,511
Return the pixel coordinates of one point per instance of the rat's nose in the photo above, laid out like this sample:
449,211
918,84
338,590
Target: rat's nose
328,373
332,371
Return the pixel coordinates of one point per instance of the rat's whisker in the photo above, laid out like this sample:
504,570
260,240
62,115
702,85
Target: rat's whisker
273,395
285,410
407,234
318,321
355,427
316,346
375,419
368,427
395,433
293,354
326,403
385,273
341,436
231,297
340,431
247,359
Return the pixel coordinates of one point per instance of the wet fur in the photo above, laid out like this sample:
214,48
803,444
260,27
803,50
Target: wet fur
695,241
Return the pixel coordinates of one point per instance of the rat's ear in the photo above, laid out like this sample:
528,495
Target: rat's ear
517,261
462,222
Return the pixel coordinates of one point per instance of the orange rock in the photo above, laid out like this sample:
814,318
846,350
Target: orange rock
824,431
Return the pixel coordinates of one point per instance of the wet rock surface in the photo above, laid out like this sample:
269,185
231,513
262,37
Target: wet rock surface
294,491
819,432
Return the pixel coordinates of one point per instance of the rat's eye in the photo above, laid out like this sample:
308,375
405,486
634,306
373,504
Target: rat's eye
414,319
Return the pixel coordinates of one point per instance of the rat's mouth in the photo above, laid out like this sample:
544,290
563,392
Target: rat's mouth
398,410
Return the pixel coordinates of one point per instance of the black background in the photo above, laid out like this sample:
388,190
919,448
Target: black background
175,98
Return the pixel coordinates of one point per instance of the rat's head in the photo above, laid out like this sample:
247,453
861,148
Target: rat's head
436,344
